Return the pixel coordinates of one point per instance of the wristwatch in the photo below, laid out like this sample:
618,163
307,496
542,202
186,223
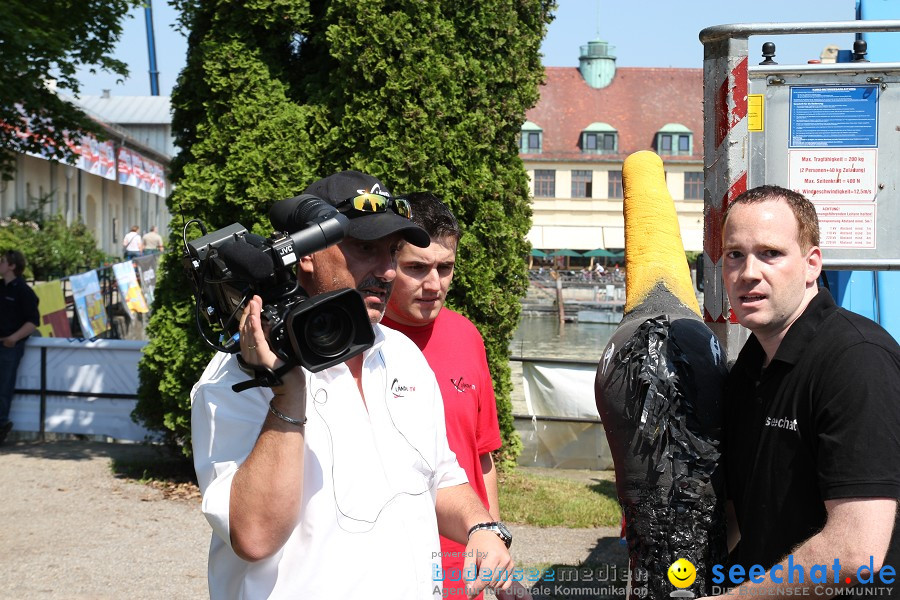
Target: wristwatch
498,528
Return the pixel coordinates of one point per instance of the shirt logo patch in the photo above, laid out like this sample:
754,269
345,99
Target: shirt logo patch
399,390
782,423
461,386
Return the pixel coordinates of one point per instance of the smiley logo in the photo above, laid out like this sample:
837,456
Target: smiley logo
682,573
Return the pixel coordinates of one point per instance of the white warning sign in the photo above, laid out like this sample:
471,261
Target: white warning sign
846,225
847,175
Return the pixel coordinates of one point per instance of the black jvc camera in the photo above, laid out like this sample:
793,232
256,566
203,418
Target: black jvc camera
228,266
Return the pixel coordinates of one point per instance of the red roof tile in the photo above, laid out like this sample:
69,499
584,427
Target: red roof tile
638,103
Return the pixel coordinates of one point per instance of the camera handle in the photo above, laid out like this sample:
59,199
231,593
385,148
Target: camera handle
262,376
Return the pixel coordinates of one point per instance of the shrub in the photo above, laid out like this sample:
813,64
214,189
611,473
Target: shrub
52,248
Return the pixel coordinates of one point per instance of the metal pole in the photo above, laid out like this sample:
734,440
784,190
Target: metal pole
43,392
720,33
725,151
560,303
151,48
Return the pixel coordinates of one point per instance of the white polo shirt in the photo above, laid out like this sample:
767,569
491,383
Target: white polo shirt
370,478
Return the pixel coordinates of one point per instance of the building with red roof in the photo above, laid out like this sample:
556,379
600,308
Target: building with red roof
588,120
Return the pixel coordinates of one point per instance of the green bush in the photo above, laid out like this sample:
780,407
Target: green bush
52,248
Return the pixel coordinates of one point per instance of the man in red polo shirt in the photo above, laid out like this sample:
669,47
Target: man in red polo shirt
455,351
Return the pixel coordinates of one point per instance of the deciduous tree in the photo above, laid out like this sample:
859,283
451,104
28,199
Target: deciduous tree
42,45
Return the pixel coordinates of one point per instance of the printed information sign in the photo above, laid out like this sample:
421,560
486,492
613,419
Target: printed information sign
834,175
834,117
846,225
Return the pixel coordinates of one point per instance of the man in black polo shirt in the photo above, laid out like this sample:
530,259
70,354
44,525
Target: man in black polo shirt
812,440
19,318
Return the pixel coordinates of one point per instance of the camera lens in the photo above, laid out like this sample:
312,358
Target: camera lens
329,331
328,328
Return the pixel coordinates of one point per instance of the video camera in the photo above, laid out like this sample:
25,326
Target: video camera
228,266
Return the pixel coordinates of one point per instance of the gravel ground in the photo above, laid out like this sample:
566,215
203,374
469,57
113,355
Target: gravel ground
71,529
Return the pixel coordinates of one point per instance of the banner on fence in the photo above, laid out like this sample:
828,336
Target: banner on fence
52,306
130,293
146,267
89,304
86,388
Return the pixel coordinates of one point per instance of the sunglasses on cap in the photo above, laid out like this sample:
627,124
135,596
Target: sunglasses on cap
375,203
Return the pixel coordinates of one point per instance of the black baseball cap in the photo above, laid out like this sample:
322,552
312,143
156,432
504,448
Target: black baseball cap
337,188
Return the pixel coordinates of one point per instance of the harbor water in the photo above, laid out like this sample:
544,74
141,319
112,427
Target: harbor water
542,336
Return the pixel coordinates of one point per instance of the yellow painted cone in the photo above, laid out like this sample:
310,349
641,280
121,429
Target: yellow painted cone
654,252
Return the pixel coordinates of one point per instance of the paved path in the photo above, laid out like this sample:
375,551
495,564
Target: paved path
70,529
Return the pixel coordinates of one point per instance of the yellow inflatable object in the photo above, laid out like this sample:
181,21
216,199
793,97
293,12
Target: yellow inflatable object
654,252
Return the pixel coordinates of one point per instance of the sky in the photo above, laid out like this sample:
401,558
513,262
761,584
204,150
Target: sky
645,33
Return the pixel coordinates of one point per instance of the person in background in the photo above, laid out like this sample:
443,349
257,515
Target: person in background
335,484
153,243
132,243
19,318
812,416
455,352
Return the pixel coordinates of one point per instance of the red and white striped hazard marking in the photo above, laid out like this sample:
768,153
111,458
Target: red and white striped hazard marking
726,173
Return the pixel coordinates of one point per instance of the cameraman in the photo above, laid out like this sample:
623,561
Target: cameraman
335,484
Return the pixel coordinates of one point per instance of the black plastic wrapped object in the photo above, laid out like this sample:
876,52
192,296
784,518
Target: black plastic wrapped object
658,392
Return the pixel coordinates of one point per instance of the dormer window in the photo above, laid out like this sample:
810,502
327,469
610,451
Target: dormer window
531,139
674,139
599,138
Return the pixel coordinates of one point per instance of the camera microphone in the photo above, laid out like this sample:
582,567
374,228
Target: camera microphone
246,260
257,241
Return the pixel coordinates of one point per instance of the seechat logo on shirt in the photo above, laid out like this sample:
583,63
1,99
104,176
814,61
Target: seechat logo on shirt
782,423
796,574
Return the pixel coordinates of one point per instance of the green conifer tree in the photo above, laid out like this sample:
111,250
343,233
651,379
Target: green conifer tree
424,94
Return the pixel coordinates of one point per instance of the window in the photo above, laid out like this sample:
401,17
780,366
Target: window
545,183
674,139
599,138
693,186
609,142
581,184
615,184
666,144
530,138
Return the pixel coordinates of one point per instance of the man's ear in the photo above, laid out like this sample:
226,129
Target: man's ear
306,264
813,264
